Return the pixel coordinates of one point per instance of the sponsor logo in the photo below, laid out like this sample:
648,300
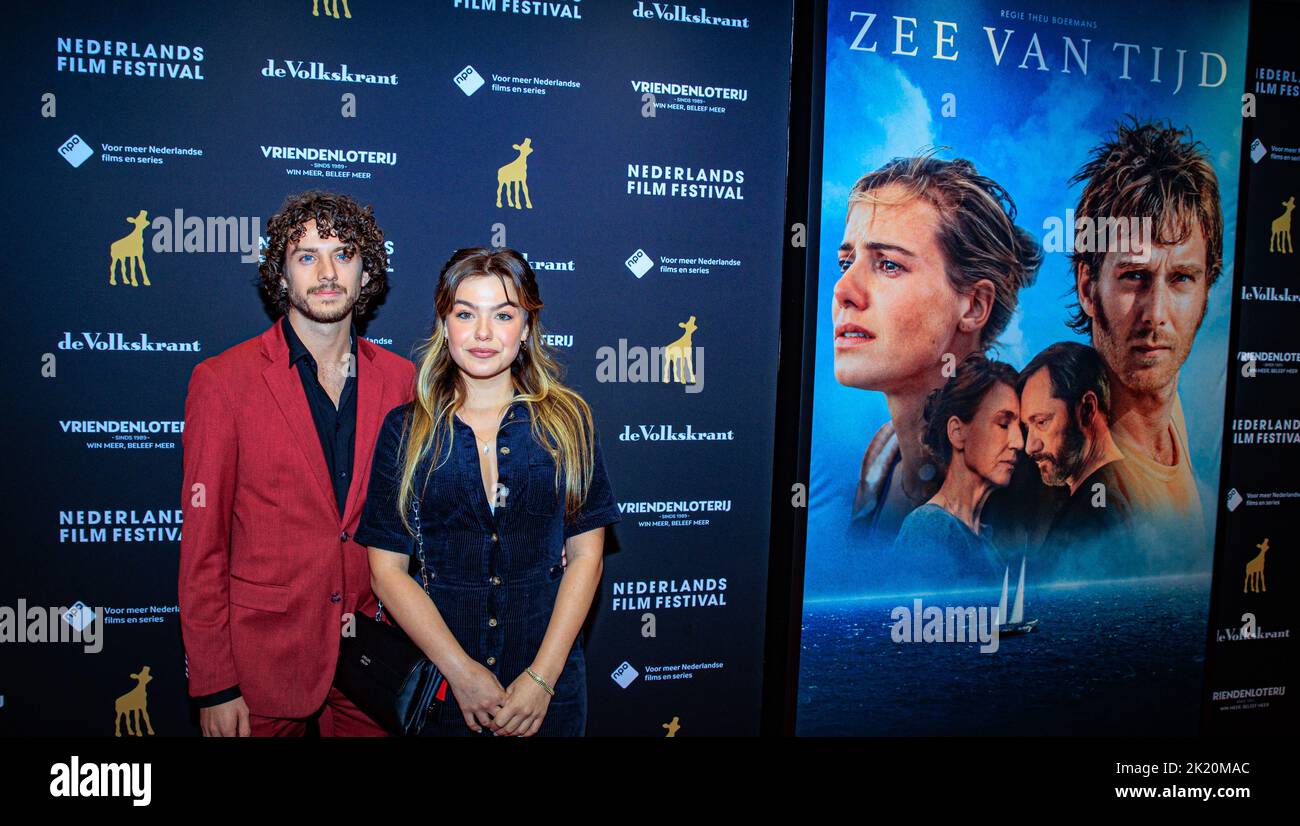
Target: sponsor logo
468,80
1261,363
180,234
1268,294
659,181
310,153
685,97
678,361
1254,583
1242,699
78,55
639,263
133,707
676,13
513,177
99,526
328,162
1234,500
1265,431
688,90
128,252
118,343
1280,239
675,514
316,70
331,9
570,9
125,434
539,265
624,674
1250,630
655,594
75,151
670,433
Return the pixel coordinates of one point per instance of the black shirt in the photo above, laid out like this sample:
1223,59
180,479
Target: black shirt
1092,535
337,429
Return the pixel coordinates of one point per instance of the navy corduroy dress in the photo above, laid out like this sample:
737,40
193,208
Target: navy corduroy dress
493,575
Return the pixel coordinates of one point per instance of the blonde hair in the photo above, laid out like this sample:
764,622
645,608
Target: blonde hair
977,228
561,419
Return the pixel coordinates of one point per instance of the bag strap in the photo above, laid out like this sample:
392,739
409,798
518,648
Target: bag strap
419,545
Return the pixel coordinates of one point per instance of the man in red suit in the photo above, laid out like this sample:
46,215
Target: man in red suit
279,435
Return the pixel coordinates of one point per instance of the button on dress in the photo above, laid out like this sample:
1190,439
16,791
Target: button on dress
494,572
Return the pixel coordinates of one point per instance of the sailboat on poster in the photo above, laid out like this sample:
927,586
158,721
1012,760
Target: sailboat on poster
1017,624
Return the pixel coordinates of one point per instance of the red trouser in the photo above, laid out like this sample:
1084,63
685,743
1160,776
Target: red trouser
337,718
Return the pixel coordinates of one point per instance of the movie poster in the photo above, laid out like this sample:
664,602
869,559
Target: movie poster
1023,303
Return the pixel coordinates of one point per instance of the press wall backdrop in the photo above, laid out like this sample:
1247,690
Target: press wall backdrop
149,146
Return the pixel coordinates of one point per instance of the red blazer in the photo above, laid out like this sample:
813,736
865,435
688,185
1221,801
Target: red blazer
267,568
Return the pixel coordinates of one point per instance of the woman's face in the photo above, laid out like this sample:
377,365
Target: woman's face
895,312
992,438
485,326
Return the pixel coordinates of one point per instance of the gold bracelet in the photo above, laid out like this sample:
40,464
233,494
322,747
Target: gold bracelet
540,681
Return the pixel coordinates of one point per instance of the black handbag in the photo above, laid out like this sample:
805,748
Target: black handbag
385,674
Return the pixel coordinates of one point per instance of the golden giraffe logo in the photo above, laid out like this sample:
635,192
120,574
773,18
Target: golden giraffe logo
1281,236
128,251
514,176
673,727
1255,571
331,9
679,357
134,705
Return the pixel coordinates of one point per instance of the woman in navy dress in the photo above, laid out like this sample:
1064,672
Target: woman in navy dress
499,465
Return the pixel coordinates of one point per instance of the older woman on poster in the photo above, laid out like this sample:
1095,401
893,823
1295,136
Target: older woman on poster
972,431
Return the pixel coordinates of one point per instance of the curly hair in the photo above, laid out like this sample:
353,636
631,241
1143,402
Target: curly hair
1149,169
335,215
977,228
960,396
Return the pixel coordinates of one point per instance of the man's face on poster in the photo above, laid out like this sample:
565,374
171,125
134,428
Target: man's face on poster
895,312
1145,311
1053,438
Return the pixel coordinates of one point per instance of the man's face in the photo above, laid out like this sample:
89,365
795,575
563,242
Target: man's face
895,312
1145,314
323,275
1053,438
